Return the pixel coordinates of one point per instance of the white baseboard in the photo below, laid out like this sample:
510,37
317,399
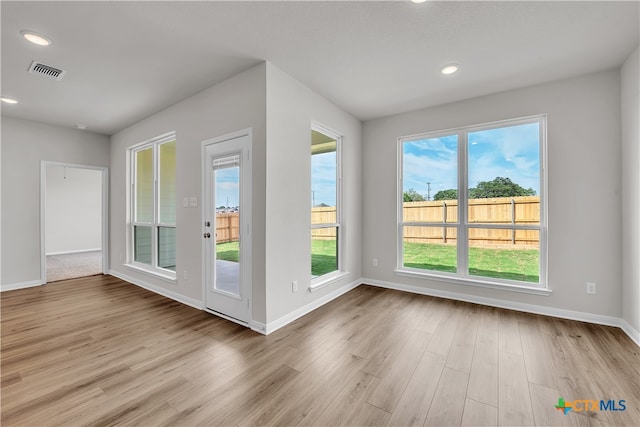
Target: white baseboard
518,306
78,251
633,333
259,327
159,290
21,285
296,314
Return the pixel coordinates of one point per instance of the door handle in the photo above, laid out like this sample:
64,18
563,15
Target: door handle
207,235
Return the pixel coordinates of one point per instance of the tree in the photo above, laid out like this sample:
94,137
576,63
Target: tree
412,195
499,187
450,194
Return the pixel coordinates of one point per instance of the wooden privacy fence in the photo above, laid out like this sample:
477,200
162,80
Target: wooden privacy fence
523,210
227,227
323,215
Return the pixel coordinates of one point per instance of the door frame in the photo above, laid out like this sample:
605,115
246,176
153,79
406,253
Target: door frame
43,211
246,223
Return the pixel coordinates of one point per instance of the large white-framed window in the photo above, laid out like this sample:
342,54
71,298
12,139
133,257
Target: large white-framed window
494,231
152,228
326,210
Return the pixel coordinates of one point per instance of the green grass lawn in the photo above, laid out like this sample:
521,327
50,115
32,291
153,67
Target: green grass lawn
512,264
323,257
228,251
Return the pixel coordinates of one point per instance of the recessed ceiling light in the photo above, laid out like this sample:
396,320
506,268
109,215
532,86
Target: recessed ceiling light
418,1
36,38
450,69
80,126
8,100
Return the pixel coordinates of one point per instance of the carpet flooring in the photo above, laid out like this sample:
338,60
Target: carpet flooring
71,266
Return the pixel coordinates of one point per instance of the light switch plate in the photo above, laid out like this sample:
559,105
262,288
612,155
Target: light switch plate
193,202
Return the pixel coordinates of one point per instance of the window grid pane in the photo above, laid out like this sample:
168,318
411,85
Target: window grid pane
324,179
504,174
430,180
142,244
167,248
324,250
505,254
430,248
167,182
144,185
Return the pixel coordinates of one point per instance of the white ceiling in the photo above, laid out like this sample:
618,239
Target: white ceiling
128,60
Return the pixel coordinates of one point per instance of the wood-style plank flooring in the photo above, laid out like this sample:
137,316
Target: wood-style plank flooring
100,351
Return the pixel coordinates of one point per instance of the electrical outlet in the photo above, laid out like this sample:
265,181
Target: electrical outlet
120,257
185,202
185,276
294,286
375,262
591,288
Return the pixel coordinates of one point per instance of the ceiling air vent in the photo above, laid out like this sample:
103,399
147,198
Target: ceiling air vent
46,70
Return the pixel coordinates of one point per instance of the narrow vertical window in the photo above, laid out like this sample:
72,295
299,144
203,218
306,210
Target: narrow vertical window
143,216
325,202
153,207
167,205
492,231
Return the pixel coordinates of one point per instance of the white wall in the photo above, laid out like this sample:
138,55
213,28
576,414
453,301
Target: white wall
584,187
291,107
280,111
73,219
235,104
631,190
24,145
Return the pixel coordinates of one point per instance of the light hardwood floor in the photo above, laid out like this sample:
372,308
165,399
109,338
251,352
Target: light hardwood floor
99,351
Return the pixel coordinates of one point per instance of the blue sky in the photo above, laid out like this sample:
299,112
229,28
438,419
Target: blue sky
510,152
227,187
323,178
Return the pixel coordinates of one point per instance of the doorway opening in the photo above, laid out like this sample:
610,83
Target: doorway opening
73,221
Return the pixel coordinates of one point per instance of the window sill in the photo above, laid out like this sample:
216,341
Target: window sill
169,278
327,280
476,282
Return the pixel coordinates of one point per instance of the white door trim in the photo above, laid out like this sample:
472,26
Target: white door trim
43,210
247,264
